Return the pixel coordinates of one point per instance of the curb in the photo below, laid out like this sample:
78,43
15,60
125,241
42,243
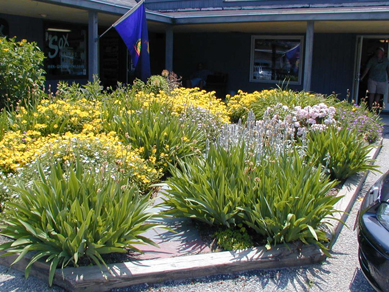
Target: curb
193,266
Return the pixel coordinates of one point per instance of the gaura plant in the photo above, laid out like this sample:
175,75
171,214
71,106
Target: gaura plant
75,215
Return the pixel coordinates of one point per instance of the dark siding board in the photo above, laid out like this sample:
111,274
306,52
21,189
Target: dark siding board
225,53
332,70
220,52
27,28
333,63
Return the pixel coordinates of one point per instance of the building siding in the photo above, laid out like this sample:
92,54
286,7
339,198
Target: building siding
332,71
333,63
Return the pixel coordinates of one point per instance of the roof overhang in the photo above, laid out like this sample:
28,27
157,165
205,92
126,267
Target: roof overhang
361,19
276,15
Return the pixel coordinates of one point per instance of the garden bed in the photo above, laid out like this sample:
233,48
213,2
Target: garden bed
125,274
77,168
158,270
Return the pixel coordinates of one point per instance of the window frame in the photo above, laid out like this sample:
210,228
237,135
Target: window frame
278,37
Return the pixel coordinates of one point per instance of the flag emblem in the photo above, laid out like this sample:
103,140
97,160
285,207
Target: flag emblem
138,47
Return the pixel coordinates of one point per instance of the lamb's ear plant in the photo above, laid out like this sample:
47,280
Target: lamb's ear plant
341,151
75,216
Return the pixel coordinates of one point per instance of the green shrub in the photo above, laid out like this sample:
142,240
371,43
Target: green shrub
281,199
210,190
289,201
21,73
234,239
75,215
154,84
91,91
4,123
340,151
160,136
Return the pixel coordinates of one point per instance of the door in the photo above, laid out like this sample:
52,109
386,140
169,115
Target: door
366,47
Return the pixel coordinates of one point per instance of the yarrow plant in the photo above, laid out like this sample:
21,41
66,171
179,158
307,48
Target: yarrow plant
316,117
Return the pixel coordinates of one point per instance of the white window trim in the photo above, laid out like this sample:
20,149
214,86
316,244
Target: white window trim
280,37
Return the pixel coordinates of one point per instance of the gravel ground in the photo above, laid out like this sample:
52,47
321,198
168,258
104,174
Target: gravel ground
341,272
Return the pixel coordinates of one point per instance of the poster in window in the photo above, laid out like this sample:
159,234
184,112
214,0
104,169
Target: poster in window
66,52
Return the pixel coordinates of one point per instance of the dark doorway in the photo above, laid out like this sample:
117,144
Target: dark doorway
369,46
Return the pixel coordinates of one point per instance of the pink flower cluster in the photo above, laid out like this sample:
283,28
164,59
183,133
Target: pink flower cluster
316,117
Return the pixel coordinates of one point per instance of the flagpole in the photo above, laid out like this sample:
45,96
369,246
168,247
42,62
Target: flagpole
128,13
100,36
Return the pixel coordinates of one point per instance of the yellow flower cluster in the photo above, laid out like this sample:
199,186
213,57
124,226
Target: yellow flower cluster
179,99
80,115
241,100
80,109
23,41
245,100
17,149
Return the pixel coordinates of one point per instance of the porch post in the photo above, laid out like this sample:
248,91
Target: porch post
169,49
93,44
308,56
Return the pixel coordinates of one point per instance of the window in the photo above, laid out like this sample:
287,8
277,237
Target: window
65,51
275,59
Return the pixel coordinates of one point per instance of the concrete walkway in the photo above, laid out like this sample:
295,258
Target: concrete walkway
184,240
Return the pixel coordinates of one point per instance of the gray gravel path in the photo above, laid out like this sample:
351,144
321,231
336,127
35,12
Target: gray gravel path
341,272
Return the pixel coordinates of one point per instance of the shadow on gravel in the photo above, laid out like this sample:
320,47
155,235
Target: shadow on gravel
301,279
15,281
359,282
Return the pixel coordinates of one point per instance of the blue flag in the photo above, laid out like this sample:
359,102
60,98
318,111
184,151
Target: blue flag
133,31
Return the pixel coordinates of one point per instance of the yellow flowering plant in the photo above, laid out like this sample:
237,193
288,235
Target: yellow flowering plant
181,99
55,115
20,152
